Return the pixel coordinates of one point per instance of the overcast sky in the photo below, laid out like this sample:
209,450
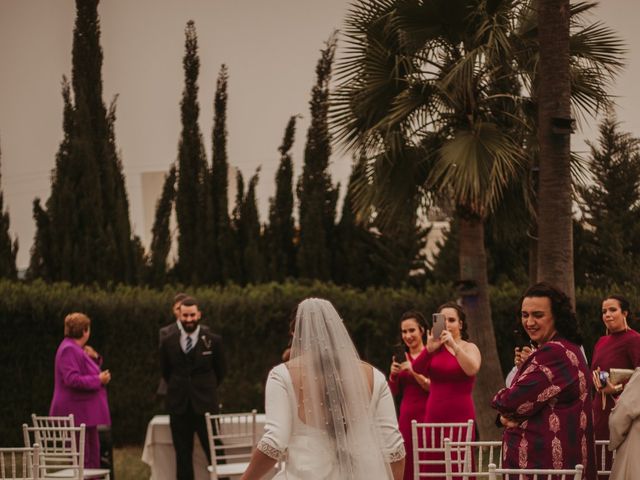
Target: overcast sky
270,47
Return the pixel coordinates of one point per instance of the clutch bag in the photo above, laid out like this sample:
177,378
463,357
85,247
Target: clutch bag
620,375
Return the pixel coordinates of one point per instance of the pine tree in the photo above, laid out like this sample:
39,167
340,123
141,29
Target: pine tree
222,241
8,248
191,195
161,233
612,206
87,214
316,194
281,230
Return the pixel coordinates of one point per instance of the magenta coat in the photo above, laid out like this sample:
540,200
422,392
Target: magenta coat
77,387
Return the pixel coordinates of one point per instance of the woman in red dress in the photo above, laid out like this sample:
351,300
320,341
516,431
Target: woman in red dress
620,348
451,364
547,408
409,383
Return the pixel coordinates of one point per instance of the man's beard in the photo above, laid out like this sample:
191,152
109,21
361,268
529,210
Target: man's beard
190,327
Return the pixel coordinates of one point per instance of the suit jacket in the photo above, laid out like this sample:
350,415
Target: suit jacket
192,378
77,387
164,332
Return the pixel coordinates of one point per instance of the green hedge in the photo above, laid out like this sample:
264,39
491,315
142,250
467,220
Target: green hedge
252,320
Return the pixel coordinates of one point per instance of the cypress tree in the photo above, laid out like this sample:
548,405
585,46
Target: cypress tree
161,233
222,240
8,248
254,254
357,253
316,194
89,234
281,230
191,195
250,255
239,233
612,207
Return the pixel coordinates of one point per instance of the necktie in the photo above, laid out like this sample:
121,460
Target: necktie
189,344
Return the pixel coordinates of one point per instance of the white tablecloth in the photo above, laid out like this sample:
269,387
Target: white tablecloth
159,454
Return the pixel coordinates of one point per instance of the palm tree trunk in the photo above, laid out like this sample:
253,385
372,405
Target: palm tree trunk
555,241
475,300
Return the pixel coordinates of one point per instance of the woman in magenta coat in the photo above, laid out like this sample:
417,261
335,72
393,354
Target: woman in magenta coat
79,387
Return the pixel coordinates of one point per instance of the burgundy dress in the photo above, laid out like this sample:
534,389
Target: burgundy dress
617,350
412,406
449,397
550,398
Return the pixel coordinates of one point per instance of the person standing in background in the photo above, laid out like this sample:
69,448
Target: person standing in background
79,385
619,348
165,331
411,386
451,364
192,363
546,411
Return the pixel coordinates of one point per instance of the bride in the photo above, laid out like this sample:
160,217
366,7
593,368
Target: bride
332,414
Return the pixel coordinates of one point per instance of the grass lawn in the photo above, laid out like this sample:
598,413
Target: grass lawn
128,464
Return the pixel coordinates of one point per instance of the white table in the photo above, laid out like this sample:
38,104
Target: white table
160,455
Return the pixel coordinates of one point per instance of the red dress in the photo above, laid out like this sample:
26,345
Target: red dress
412,406
449,397
617,350
550,398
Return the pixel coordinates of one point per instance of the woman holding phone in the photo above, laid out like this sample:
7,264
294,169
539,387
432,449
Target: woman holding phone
407,382
451,363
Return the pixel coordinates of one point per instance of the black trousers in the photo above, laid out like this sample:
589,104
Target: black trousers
183,426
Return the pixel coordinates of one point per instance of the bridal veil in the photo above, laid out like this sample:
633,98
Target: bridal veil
333,392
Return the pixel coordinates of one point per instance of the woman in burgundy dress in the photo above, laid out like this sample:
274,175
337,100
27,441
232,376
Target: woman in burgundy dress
547,409
410,383
620,348
451,363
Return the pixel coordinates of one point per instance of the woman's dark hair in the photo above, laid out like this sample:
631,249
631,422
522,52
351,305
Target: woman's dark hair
563,313
461,315
420,320
625,306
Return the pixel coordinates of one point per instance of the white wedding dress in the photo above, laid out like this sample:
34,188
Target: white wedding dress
309,453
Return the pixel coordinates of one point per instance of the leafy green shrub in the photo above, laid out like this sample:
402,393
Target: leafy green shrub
253,321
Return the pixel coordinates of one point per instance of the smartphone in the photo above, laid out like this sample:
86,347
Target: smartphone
399,354
438,322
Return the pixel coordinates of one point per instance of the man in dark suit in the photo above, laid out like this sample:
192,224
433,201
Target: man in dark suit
193,365
168,330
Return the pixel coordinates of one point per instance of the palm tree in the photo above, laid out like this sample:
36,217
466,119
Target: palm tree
444,77
425,75
572,66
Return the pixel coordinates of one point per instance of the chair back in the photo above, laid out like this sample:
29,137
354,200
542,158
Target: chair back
534,474
428,445
470,459
604,458
48,421
20,463
61,448
232,438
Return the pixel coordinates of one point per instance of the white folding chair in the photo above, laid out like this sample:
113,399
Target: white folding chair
534,474
48,421
464,460
428,442
604,459
62,453
232,438
20,463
